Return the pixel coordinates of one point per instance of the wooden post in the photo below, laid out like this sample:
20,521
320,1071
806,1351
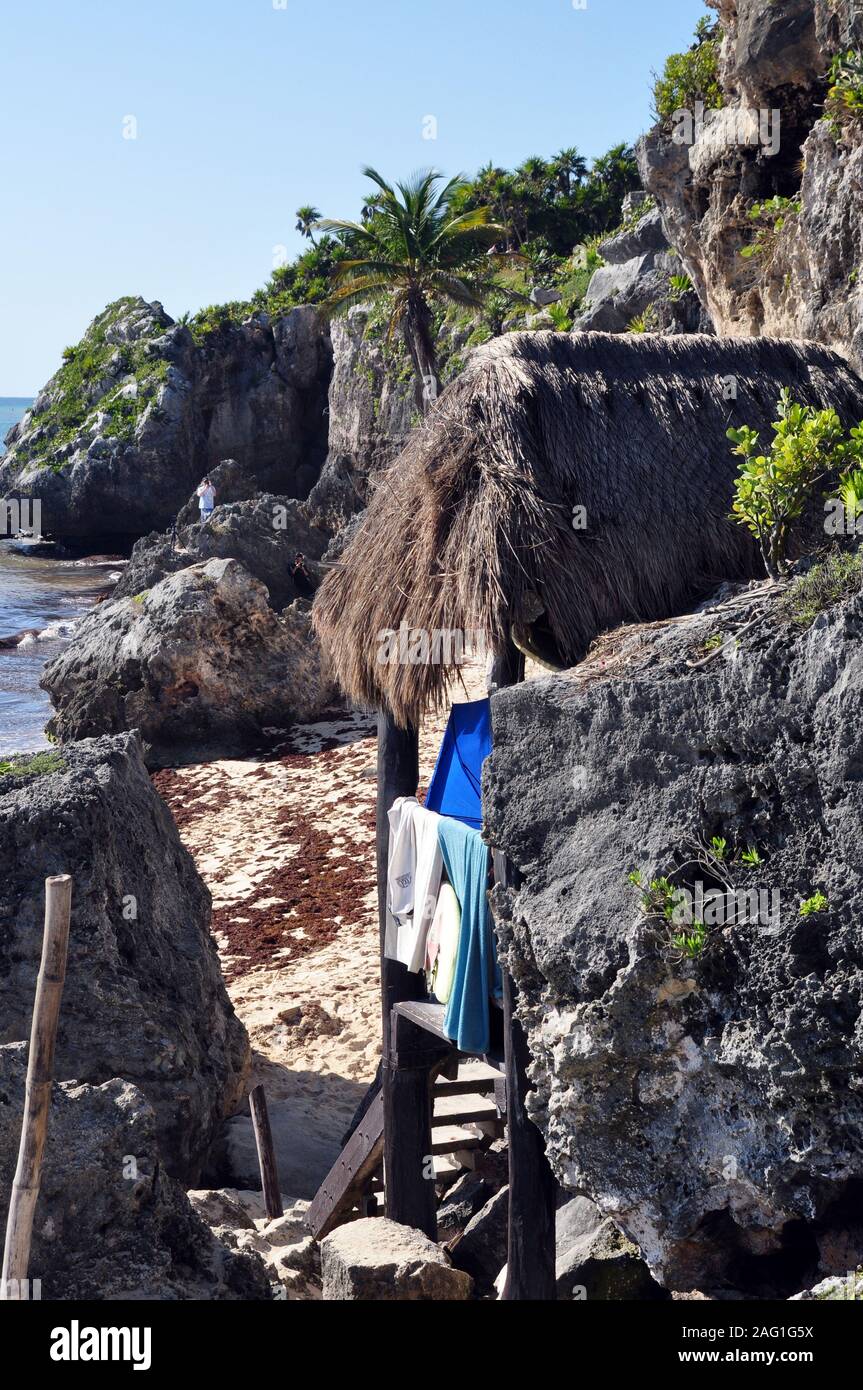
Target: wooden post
530,1270
410,1185
266,1153
40,1079
398,775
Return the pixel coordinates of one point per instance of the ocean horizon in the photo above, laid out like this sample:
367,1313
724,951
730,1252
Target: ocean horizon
11,410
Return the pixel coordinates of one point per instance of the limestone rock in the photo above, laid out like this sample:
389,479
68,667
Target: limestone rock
200,665
370,416
482,1248
292,1258
637,281
711,1106
377,1260
110,1223
263,532
771,138
160,409
594,1260
467,1196
144,998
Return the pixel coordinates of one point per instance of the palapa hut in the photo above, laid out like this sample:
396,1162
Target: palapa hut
473,527
477,527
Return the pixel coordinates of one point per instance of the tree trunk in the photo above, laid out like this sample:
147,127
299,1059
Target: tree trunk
418,336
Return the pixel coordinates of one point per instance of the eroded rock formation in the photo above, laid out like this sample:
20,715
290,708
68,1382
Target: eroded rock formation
110,1223
142,408
772,138
711,1101
200,665
144,999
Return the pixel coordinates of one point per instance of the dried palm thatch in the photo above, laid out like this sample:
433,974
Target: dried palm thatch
471,529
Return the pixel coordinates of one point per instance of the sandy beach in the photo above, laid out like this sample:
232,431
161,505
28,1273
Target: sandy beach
285,841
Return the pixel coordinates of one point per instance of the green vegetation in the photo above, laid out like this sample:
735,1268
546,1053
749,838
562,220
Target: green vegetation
692,76
817,903
844,105
79,387
832,580
750,856
304,281
771,217
691,944
34,765
660,900
415,250
851,483
648,322
679,285
308,218
772,489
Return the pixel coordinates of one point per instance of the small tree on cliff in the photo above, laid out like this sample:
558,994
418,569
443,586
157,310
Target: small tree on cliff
416,251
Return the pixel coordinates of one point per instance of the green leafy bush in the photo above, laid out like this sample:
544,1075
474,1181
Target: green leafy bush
772,215
679,285
690,77
772,488
844,104
817,903
648,322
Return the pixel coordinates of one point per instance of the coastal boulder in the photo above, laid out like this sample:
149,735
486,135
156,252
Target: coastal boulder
110,1223
142,407
144,998
201,665
263,532
703,1085
377,1260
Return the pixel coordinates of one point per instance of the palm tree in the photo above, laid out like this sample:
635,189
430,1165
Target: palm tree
569,167
617,171
534,172
307,219
413,252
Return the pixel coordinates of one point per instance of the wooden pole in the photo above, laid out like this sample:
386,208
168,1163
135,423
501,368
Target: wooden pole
398,775
530,1270
266,1153
40,1079
415,1056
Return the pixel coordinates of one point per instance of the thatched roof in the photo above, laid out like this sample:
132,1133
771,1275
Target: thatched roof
471,527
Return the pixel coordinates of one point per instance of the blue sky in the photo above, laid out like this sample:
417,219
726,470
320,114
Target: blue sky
247,108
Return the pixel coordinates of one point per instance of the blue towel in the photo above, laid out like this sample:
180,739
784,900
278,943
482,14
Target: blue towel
455,788
477,973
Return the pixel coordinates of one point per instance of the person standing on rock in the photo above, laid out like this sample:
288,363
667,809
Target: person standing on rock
206,500
303,581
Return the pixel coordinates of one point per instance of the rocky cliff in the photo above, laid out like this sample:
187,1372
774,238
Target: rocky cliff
144,999
142,407
699,1077
763,198
110,1223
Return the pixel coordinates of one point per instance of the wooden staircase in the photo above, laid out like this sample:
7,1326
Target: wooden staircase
468,1108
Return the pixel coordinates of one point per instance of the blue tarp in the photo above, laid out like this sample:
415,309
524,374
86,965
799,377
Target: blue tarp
455,788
